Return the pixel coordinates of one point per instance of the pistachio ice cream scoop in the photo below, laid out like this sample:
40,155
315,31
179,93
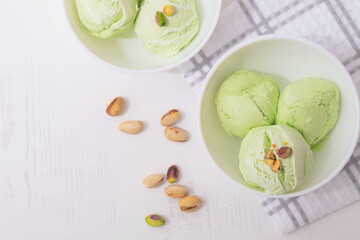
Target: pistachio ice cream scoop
106,18
311,106
166,31
275,159
246,99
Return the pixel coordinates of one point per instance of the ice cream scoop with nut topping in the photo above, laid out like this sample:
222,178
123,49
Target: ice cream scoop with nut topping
275,159
167,34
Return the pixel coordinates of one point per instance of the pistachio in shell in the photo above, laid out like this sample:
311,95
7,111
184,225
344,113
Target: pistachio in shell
190,203
176,191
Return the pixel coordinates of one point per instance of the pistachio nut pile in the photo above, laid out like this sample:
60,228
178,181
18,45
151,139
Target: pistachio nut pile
187,203
175,134
275,164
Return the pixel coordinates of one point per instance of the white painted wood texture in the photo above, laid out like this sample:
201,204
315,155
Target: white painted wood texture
66,172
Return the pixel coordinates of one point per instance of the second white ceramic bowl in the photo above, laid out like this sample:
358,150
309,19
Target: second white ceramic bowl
286,59
126,52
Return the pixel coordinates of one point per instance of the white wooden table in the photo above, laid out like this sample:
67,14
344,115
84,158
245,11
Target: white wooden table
67,172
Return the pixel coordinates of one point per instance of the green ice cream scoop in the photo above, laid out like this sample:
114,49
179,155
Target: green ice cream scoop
311,106
106,18
245,100
295,165
177,31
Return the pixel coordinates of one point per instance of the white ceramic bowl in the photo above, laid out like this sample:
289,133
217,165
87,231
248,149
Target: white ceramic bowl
286,59
126,51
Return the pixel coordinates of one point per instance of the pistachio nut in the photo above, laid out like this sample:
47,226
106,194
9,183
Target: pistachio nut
160,19
190,203
176,134
270,162
277,166
169,10
153,180
284,152
270,155
115,107
172,174
170,118
176,191
131,127
155,220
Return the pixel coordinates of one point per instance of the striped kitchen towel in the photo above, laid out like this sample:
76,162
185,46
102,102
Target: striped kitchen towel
333,24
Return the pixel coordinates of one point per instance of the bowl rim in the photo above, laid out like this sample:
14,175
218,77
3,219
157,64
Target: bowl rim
291,38
155,70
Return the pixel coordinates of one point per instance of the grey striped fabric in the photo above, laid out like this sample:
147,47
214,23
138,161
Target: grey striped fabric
335,25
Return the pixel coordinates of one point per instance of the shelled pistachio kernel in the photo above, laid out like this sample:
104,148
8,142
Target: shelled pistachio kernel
277,166
154,220
269,161
160,19
172,174
270,155
284,152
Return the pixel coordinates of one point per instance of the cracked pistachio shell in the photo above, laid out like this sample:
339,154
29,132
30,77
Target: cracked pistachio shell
190,203
170,118
115,107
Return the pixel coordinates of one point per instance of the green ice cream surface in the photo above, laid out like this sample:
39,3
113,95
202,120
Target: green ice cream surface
246,99
311,106
258,174
106,18
177,32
